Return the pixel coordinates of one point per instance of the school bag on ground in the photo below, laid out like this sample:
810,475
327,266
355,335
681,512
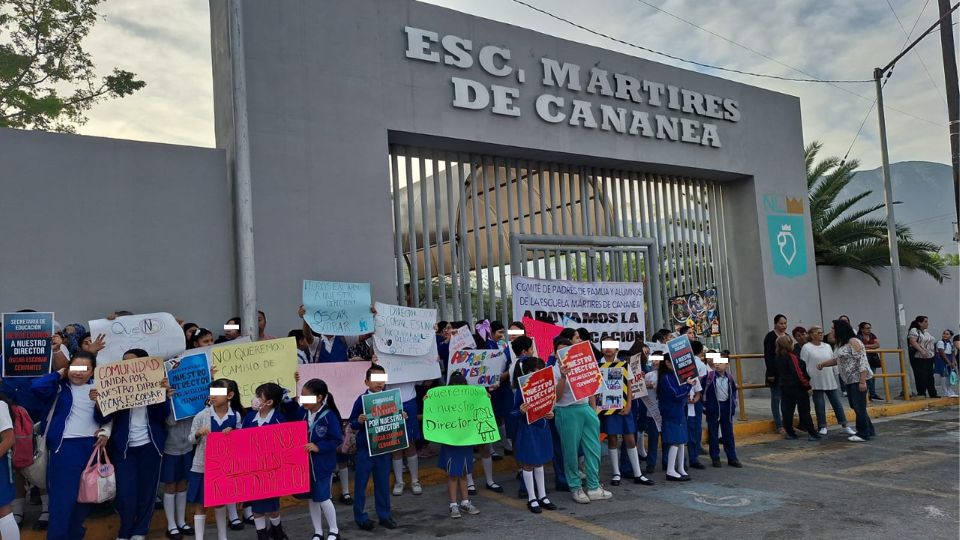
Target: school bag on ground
23,433
97,483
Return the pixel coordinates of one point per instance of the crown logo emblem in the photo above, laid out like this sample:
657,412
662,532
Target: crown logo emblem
794,206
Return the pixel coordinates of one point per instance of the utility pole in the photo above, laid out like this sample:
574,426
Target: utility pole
953,99
242,184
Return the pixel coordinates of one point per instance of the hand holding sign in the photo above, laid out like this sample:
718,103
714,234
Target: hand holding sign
580,367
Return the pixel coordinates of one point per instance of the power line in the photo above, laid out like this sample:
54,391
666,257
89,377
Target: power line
915,51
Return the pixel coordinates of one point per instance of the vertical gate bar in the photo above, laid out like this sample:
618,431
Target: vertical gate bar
601,260
691,233
599,217
474,188
438,233
397,223
630,190
545,181
565,177
654,207
536,263
710,231
412,234
425,231
542,198
701,228
497,177
680,232
680,203
451,239
553,177
724,254
512,223
463,241
531,224
585,216
663,194
488,220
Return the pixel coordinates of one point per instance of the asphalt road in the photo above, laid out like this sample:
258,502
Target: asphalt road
903,484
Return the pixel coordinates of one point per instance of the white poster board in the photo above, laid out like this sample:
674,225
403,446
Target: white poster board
157,333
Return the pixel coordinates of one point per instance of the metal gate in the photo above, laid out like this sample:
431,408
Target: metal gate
454,214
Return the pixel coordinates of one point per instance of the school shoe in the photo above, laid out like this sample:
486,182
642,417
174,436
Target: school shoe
495,456
547,504
366,525
534,506
599,494
236,525
471,490
416,488
469,508
716,463
677,478
651,469
174,534
346,498
876,398
398,489
455,511
42,522
263,534
615,481
813,438
735,464
388,523
790,436
849,430
580,496
697,465
823,431
277,533
495,487
186,530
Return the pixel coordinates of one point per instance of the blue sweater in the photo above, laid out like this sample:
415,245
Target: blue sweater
672,397
711,405
327,435
120,438
46,389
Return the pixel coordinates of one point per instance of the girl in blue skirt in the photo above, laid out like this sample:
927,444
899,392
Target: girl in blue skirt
533,443
457,461
269,396
621,423
672,398
320,412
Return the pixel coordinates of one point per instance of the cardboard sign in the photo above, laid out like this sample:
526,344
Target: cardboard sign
539,391
404,331
480,367
402,369
681,354
130,383
189,376
635,375
385,427
252,364
542,335
27,344
613,391
256,463
345,380
462,339
157,333
583,372
650,400
336,308
459,415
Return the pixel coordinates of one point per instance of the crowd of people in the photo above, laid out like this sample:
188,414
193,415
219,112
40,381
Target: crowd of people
147,446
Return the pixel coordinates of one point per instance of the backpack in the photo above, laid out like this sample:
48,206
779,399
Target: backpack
23,432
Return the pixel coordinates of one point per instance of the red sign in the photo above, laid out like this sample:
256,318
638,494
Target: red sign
583,372
256,463
539,391
542,335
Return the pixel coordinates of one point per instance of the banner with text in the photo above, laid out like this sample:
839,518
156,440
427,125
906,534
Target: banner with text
637,385
583,373
402,369
157,333
404,331
189,376
256,463
681,354
615,309
539,390
130,383
345,380
337,308
459,415
480,367
385,427
27,344
252,364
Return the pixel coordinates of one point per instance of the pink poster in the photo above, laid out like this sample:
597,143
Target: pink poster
542,335
345,380
256,463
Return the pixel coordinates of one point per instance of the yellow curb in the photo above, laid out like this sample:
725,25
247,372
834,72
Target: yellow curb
106,528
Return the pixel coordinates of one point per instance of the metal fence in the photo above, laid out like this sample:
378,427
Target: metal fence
454,214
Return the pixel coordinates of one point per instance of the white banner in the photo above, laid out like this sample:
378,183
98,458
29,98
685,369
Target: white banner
157,333
614,309
404,331
411,368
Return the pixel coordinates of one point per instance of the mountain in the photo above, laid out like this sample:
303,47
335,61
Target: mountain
925,192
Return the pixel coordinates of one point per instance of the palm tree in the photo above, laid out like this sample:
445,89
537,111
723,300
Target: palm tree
857,237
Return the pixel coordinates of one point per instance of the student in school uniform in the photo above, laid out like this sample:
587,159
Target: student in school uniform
319,411
672,399
136,445
456,461
378,466
408,395
651,380
620,425
695,407
223,415
720,407
9,530
534,444
559,476
73,431
494,338
264,412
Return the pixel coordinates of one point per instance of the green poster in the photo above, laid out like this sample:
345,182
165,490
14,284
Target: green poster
386,428
459,415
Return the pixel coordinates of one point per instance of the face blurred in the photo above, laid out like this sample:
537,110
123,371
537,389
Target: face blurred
82,377
610,352
221,401
231,334
376,386
312,407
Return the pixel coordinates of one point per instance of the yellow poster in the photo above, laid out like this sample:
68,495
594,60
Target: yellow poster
252,364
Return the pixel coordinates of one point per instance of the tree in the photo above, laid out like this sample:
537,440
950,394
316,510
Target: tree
848,235
47,79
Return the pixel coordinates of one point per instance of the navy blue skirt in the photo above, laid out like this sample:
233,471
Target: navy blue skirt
412,409
175,468
195,488
7,493
617,424
674,431
456,460
265,506
533,443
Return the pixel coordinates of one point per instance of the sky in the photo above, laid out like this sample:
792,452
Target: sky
167,44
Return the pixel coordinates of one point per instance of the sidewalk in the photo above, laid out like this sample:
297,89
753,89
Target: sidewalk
760,422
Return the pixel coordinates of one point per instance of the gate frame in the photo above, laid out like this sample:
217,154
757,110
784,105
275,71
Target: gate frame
648,246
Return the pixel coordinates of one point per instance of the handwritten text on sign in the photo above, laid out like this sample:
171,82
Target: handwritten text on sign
459,415
27,344
256,463
189,376
480,367
336,308
385,426
404,330
252,364
583,374
157,333
130,383
539,391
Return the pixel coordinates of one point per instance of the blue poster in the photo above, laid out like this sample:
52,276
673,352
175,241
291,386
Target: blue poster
27,344
788,246
681,355
189,376
337,308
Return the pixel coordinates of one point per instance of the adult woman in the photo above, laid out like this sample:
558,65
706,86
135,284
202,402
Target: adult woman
769,359
921,356
824,382
872,343
794,384
851,360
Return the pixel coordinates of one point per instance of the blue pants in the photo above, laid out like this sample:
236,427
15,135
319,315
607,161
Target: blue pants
695,431
63,484
858,402
559,476
723,424
381,467
775,407
137,478
653,438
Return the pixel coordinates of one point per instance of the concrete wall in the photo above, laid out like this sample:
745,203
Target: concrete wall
329,86
91,225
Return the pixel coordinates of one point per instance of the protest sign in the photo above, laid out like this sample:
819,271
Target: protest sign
613,391
697,310
461,339
539,390
345,380
256,463
615,309
27,344
650,400
337,308
404,331
681,355
637,386
459,415
189,376
542,335
385,427
583,375
157,333
480,367
402,369
129,383
252,364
